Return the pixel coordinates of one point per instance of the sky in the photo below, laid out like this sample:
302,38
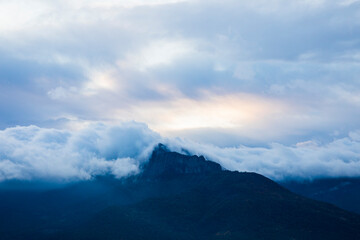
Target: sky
269,86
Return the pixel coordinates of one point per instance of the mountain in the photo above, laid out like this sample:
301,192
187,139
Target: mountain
164,163
174,197
342,192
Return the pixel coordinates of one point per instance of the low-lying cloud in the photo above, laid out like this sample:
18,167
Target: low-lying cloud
306,160
38,153
28,153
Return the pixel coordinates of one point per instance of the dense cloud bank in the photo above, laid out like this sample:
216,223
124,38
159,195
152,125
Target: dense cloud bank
305,160
31,152
38,153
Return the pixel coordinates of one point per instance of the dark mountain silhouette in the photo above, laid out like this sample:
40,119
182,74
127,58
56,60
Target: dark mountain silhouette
342,192
175,197
166,164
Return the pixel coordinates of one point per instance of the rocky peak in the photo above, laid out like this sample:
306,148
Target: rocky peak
164,163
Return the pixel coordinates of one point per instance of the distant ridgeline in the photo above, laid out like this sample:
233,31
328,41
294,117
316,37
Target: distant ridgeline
342,192
174,197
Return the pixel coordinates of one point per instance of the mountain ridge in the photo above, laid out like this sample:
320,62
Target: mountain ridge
175,196
165,163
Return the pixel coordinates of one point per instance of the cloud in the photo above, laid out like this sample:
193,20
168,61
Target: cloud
305,160
157,53
123,60
32,152
222,73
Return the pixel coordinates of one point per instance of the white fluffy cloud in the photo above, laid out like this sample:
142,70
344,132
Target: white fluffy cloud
38,153
305,160
31,152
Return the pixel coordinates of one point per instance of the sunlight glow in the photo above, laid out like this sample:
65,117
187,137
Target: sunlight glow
227,112
100,80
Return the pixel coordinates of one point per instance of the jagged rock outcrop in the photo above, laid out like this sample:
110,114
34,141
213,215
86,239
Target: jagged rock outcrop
164,163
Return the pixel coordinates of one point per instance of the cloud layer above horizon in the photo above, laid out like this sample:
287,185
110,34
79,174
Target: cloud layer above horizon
34,153
224,73
271,86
